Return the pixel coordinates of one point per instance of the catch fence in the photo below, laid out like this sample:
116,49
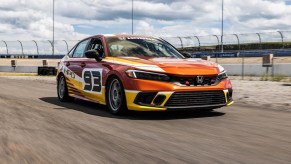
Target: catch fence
46,48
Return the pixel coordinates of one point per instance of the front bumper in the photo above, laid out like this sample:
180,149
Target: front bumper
161,101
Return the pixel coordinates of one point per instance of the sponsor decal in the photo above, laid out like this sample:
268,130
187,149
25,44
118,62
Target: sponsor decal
68,72
92,80
134,37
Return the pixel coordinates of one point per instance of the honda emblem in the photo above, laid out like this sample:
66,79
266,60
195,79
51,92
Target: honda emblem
199,79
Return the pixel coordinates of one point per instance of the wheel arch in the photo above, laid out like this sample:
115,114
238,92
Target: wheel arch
59,75
108,80
111,75
123,108
66,97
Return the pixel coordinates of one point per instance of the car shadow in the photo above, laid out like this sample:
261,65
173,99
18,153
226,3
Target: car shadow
102,111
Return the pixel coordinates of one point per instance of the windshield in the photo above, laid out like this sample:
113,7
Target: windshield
140,46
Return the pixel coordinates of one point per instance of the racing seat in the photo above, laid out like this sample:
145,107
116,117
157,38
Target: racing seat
99,49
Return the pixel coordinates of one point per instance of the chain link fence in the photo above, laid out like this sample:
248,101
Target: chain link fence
35,48
198,43
281,37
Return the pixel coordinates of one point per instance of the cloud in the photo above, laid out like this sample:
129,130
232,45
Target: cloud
28,20
32,19
144,27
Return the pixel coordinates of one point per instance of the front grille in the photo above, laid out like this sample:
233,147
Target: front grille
196,98
192,81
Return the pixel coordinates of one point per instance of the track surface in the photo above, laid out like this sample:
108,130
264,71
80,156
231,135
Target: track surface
36,128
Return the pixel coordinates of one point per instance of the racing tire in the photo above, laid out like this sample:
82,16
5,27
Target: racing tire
62,89
115,97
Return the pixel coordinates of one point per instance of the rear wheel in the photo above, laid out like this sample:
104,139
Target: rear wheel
62,88
115,97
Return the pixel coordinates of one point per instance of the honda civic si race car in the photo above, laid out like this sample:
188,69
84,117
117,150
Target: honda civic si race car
130,72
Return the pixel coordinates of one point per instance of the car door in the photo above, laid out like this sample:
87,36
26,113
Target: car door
74,65
92,72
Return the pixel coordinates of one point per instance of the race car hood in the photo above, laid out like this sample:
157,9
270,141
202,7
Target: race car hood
173,65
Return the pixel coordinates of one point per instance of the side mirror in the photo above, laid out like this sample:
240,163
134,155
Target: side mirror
93,54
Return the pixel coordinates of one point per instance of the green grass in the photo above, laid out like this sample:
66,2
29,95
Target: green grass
264,77
277,77
17,74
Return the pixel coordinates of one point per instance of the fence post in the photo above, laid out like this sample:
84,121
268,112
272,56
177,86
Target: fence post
260,39
67,45
281,38
238,43
217,40
21,47
52,46
198,41
181,41
216,60
243,57
36,47
6,47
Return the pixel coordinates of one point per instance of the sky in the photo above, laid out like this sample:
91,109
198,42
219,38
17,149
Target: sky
77,19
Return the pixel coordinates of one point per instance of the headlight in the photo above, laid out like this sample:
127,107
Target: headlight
221,69
221,76
147,75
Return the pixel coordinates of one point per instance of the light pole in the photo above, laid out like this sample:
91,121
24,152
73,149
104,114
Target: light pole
132,17
222,26
53,27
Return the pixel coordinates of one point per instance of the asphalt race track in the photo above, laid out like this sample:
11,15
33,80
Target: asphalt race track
36,128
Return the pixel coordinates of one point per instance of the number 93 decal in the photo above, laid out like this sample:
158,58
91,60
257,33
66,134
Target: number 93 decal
92,80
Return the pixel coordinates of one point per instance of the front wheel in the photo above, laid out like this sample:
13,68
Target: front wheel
115,97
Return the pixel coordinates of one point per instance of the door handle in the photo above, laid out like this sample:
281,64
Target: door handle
67,64
83,64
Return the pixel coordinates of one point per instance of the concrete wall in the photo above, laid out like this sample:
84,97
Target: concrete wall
19,69
257,69
232,69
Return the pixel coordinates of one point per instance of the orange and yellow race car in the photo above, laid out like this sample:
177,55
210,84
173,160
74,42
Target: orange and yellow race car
130,72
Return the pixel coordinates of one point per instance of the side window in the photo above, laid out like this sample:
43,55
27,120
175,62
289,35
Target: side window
96,44
80,49
70,54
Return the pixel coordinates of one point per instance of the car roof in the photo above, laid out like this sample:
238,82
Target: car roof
118,35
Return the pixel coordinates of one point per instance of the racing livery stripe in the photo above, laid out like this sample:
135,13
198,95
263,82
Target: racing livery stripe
76,77
115,59
131,91
74,90
142,66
